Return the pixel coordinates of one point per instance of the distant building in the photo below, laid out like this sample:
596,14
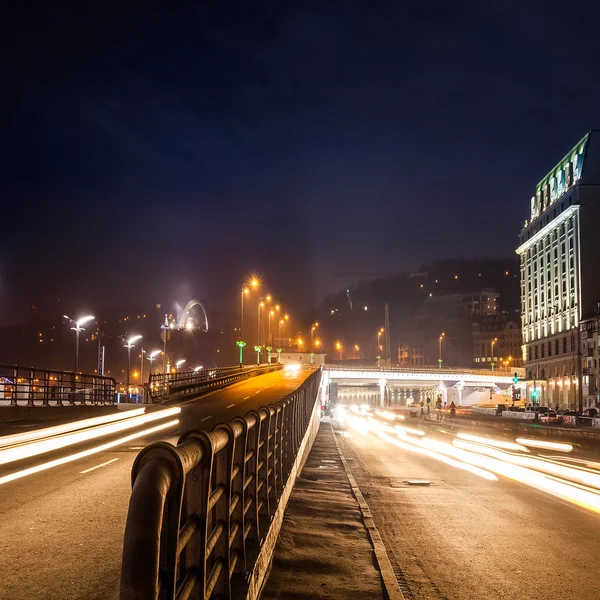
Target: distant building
497,339
559,249
410,356
590,350
453,314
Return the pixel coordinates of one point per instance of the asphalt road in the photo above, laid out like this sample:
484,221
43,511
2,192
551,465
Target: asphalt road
466,537
61,530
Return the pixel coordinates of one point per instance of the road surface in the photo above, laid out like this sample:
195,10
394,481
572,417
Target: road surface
61,529
464,536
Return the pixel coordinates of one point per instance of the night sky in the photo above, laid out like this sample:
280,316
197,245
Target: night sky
156,154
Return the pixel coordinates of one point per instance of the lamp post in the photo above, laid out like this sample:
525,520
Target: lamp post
378,360
241,345
260,305
165,334
269,348
271,313
253,283
258,349
178,364
151,356
78,329
442,336
379,333
312,333
130,343
492,363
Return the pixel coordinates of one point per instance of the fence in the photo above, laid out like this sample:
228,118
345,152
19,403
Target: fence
428,370
175,385
43,387
204,515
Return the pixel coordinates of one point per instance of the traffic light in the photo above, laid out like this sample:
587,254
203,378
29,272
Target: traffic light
515,378
534,395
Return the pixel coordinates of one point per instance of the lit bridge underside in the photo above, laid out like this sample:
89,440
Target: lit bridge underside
424,379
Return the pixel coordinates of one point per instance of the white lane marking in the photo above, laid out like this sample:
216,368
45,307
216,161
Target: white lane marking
231,405
246,398
98,466
206,418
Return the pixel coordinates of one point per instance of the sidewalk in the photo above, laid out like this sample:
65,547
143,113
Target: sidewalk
324,550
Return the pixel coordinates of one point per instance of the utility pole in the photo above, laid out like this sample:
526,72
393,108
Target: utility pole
387,335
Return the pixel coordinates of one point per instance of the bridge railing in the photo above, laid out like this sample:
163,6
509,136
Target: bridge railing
176,385
31,386
201,514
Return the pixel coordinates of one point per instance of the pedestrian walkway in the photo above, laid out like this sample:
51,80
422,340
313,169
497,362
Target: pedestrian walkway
324,550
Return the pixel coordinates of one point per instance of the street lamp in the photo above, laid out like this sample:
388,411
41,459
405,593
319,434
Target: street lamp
492,363
271,313
241,344
338,347
253,283
78,329
165,334
151,356
442,336
178,364
261,304
312,333
129,344
317,343
198,368
379,333
300,343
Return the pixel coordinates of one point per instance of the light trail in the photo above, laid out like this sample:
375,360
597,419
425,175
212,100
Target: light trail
492,442
40,447
84,453
545,445
38,434
389,415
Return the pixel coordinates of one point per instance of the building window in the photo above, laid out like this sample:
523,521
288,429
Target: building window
564,345
549,349
536,352
556,347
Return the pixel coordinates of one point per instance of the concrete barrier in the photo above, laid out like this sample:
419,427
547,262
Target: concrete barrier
519,415
480,410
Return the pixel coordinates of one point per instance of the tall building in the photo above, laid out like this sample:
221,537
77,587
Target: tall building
559,247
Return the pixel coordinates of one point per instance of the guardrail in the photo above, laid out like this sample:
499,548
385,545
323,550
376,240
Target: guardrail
175,385
204,515
31,386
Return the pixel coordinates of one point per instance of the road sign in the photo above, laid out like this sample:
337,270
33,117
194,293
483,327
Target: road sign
164,331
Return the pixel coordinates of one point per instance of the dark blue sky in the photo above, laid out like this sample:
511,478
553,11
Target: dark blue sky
149,150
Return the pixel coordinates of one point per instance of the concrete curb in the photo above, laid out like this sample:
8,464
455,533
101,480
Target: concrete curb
390,583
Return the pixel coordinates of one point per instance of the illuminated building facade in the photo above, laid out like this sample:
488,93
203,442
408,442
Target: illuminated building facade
559,249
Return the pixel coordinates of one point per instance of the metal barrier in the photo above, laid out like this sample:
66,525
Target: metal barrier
176,385
200,511
44,387
428,370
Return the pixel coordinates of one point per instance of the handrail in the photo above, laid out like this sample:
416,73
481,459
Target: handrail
175,385
199,511
42,387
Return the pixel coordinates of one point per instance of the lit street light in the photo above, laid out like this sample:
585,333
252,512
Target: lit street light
492,363
379,334
178,364
151,357
198,368
312,334
440,349
78,329
253,283
338,346
130,343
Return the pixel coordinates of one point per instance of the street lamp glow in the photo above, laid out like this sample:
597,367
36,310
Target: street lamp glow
133,339
78,329
151,356
268,297
254,282
198,368
179,363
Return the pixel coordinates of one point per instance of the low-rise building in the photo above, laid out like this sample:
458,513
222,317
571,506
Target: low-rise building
497,340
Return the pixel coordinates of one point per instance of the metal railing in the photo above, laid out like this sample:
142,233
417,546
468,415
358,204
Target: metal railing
31,386
187,383
199,511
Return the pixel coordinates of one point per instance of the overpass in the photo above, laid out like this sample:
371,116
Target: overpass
404,382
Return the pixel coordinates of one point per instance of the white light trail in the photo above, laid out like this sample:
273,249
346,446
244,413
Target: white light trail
84,453
492,442
40,447
545,445
38,434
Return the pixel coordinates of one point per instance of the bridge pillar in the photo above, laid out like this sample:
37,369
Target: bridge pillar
382,385
333,393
